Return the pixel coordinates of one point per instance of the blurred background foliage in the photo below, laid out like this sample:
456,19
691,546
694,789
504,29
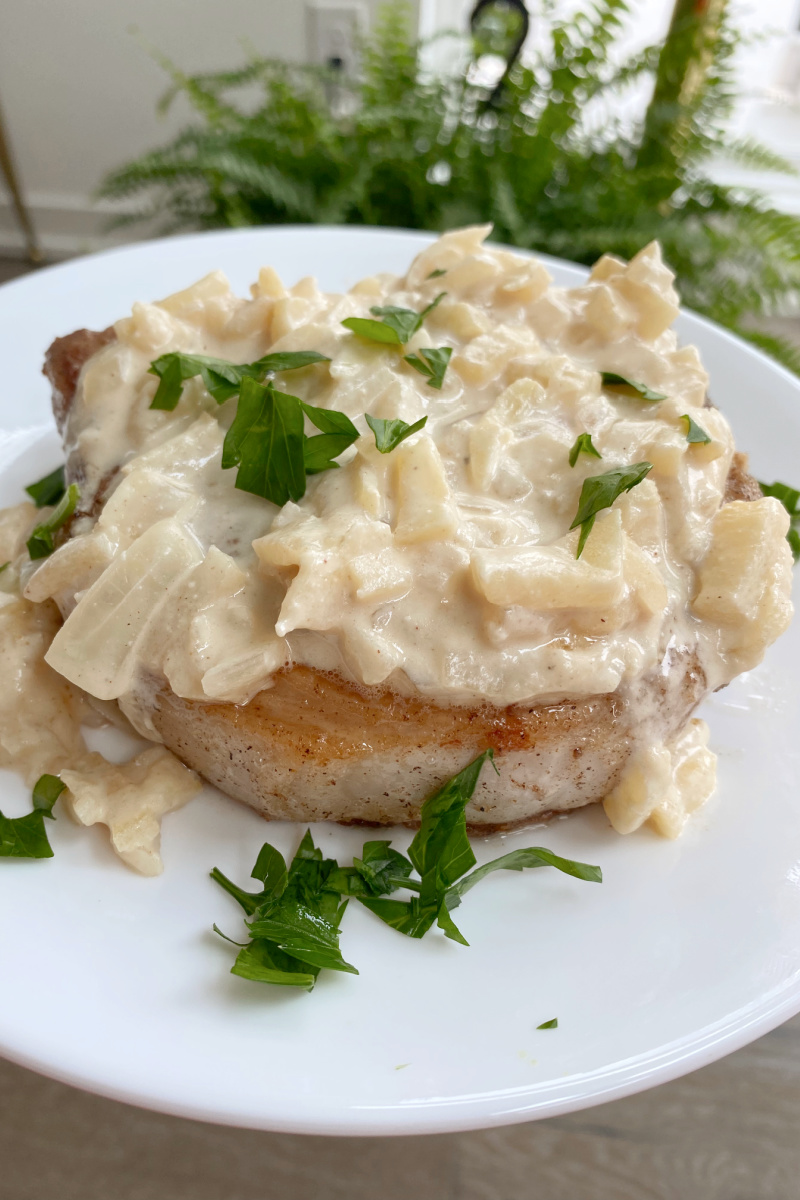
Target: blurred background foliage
543,146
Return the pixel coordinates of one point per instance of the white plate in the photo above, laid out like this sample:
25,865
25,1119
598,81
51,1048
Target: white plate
688,950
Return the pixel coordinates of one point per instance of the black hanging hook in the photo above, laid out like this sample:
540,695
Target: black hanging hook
511,52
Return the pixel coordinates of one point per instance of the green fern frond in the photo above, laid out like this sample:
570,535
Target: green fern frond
750,153
553,160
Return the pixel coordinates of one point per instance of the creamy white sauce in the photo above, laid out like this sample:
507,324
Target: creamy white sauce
664,783
447,566
42,716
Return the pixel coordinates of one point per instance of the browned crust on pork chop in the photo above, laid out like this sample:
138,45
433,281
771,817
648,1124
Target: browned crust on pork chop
740,485
317,747
63,363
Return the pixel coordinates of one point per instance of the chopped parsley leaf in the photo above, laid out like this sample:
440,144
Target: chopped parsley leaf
338,432
695,435
25,837
431,362
295,918
41,542
630,387
222,379
268,444
397,327
48,490
583,445
600,491
389,434
265,442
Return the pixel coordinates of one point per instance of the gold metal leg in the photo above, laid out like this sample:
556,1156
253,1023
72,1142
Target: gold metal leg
23,216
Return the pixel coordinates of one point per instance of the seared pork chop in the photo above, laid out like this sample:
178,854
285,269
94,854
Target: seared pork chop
316,746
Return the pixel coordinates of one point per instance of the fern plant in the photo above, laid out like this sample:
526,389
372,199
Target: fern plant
549,157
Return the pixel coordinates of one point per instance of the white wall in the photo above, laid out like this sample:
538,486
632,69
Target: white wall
78,87
78,90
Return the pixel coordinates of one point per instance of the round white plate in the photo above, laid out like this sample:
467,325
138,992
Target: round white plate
688,950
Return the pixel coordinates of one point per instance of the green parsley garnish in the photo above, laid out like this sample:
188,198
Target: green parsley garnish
48,490
583,445
4,565
41,543
431,362
600,491
437,274
694,433
295,918
397,327
222,379
790,499
375,331
267,443
552,1024
25,837
338,432
630,387
389,434
266,439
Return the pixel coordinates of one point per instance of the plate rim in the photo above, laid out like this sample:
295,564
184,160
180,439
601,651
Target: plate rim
469,1113
423,236
508,1106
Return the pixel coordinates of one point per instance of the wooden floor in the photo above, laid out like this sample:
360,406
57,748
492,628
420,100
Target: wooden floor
728,1132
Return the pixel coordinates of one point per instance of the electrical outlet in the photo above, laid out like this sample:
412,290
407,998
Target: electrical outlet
332,33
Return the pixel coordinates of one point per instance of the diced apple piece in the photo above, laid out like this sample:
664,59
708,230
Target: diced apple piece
745,581
664,784
694,776
648,283
644,785
425,508
471,275
746,540
551,577
367,489
525,285
521,401
608,266
191,301
607,312
642,512
448,250
458,320
488,438
486,356
270,284
644,580
379,575
666,452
